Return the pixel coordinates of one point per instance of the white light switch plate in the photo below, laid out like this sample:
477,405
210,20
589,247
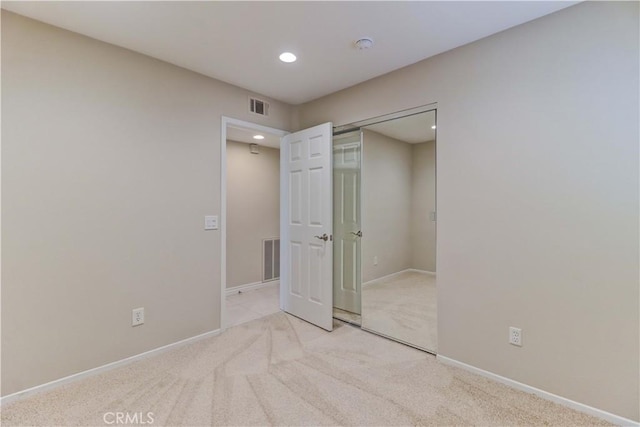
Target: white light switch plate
211,222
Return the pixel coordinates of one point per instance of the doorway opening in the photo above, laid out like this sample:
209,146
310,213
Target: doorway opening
250,221
305,217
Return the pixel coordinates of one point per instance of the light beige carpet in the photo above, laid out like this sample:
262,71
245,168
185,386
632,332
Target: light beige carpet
279,370
403,307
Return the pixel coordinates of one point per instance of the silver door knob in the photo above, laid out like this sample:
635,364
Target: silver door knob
359,233
324,237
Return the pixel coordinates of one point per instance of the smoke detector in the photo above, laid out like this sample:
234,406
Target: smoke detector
364,43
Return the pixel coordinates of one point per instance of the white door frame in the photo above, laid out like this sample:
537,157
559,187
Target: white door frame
223,202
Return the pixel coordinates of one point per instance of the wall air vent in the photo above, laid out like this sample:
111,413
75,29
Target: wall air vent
270,259
258,106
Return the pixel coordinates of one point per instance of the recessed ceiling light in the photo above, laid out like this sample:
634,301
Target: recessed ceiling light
433,127
258,137
287,57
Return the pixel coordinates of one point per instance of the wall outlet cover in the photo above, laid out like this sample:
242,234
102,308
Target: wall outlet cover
137,316
515,336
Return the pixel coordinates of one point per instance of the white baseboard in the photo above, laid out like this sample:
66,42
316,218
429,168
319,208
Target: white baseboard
415,270
397,273
383,278
581,407
251,287
101,369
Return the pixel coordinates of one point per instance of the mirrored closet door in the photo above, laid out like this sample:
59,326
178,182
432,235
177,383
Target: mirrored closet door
384,222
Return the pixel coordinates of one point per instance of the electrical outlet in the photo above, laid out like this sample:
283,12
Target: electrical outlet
137,316
515,336
375,260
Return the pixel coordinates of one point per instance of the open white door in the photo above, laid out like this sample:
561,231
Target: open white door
306,213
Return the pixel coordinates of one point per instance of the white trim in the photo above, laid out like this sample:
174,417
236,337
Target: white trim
392,338
580,407
383,278
397,273
251,286
386,117
223,202
362,215
101,369
284,197
415,270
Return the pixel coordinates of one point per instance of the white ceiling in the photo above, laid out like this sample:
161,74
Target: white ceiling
239,42
240,134
412,129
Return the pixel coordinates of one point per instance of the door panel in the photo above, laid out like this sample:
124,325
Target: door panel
346,178
306,196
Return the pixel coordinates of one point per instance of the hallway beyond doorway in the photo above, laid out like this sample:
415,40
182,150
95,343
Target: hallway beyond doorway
250,305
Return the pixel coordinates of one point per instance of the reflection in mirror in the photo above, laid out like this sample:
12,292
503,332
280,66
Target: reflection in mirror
399,233
347,154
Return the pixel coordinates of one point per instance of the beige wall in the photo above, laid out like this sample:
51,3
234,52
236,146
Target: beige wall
398,192
253,209
423,201
110,161
386,203
537,197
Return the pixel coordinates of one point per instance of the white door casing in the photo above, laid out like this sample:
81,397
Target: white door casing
306,215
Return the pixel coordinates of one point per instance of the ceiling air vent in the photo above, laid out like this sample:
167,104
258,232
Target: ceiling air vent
258,106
